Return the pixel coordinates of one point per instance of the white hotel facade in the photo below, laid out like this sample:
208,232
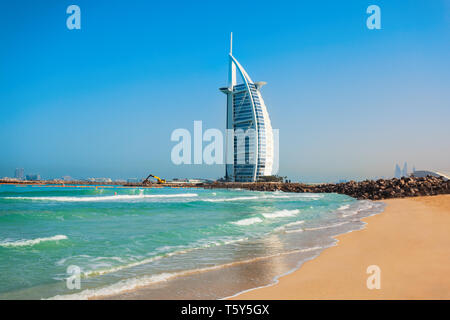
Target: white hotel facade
252,150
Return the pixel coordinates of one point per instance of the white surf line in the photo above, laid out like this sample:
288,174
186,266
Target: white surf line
195,246
276,279
281,214
104,198
247,222
139,282
327,226
32,242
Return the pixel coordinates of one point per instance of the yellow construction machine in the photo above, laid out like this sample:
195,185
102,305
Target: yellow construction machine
147,181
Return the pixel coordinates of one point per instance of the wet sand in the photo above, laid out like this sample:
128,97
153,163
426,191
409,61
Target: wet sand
409,242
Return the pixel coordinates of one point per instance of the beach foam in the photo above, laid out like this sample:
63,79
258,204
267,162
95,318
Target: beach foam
361,206
246,222
105,198
281,214
121,286
32,242
295,223
233,199
182,250
293,231
286,228
294,196
343,207
328,226
143,281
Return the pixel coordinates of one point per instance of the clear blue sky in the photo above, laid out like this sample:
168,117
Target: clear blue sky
102,101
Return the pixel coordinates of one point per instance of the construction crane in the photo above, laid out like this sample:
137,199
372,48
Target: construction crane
160,181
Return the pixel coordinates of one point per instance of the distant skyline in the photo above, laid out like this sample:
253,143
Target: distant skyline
102,101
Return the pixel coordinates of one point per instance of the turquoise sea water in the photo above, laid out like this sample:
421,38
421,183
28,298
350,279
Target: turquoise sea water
123,238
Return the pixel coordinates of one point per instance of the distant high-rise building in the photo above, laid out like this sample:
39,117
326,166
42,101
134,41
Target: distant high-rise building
405,170
398,172
18,174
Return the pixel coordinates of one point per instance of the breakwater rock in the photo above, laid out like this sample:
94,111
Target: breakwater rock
368,189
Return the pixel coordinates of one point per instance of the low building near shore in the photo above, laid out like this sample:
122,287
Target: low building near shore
189,181
33,177
433,173
8,179
99,179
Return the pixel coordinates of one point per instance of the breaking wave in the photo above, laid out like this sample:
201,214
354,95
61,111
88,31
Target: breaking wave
344,207
328,226
32,242
271,215
105,198
362,206
194,246
286,228
295,223
139,282
246,222
233,199
281,214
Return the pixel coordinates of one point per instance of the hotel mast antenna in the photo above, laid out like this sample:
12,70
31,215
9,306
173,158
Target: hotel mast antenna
231,43
247,111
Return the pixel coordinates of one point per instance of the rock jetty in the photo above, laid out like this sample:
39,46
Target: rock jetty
368,189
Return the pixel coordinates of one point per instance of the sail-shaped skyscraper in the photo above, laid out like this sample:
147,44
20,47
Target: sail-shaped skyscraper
252,149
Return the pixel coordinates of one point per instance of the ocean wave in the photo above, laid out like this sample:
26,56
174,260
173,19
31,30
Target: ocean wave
298,195
121,286
32,242
327,226
343,207
274,196
281,214
246,222
104,198
63,260
143,281
233,199
362,206
271,215
119,259
293,231
295,223
91,273
285,228
181,250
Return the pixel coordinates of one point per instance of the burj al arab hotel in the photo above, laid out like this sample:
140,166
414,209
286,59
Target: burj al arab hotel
250,149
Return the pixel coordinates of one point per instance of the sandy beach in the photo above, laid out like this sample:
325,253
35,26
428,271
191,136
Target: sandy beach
409,242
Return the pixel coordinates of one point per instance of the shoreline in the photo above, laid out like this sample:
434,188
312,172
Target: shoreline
409,242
